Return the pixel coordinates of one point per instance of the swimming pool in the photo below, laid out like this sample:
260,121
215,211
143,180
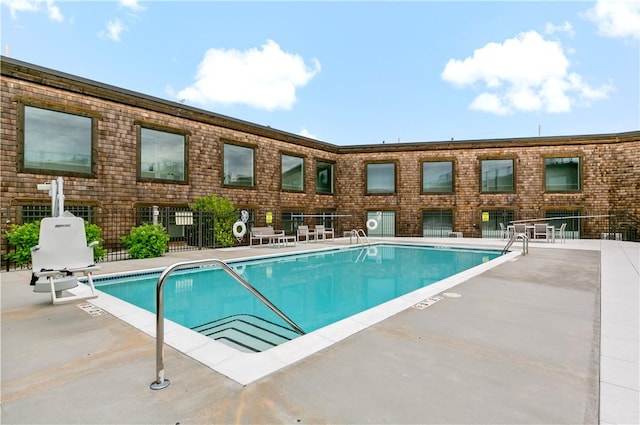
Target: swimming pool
310,287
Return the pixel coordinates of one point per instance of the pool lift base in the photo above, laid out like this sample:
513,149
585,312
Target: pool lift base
158,386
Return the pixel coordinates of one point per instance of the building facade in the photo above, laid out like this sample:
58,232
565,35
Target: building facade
119,150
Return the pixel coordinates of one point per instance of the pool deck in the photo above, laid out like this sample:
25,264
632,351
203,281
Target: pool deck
550,337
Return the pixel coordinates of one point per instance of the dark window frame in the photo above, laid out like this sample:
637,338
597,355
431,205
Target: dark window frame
62,109
563,156
165,129
302,172
332,191
366,178
254,165
513,173
453,176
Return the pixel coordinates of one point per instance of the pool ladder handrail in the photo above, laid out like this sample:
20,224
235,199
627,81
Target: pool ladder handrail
161,382
360,236
513,238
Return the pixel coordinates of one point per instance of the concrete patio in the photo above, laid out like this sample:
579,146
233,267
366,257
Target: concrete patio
550,337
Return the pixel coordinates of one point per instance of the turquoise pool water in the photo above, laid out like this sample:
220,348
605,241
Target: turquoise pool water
313,289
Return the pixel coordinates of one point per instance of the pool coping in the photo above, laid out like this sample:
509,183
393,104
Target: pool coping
246,368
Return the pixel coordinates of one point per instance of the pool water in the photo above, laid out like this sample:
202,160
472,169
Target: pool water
313,289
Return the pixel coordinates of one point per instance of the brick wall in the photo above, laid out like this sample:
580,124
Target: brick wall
610,163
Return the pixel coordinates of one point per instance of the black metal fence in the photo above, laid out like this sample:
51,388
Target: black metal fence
195,230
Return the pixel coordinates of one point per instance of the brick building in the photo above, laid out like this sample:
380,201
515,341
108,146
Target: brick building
120,150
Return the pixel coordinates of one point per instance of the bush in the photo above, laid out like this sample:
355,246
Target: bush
224,215
25,236
146,241
94,233
22,237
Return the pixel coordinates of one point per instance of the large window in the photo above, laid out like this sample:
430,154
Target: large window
57,141
291,220
381,178
438,223
496,175
292,173
162,155
437,177
562,174
324,177
238,165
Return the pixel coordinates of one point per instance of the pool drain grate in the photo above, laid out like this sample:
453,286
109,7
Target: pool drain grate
428,302
90,309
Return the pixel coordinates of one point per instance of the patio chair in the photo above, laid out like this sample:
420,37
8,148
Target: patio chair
562,232
324,232
304,232
504,234
540,231
62,251
520,228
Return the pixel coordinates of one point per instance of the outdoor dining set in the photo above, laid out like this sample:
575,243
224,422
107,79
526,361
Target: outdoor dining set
534,231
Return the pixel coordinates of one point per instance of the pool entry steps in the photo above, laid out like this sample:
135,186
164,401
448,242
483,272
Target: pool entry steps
246,332
161,382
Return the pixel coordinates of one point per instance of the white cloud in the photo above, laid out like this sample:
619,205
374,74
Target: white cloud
15,6
305,133
524,73
132,5
113,30
264,78
617,19
549,28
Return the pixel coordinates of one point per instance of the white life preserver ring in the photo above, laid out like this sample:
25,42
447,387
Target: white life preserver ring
372,224
372,251
239,229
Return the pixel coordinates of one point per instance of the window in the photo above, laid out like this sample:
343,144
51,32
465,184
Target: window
381,178
491,219
437,223
238,165
497,175
57,141
292,173
291,220
386,223
31,213
326,218
437,177
162,155
562,174
324,177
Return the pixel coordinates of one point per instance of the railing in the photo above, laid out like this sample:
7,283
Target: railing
160,381
513,238
360,235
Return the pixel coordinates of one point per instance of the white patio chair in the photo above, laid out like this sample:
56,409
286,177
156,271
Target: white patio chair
324,232
504,234
562,232
304,232
540,231
62,251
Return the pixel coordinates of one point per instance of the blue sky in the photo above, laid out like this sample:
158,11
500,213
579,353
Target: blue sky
356,72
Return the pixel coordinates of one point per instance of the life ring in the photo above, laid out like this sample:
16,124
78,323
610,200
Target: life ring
372,224
372,251
239,229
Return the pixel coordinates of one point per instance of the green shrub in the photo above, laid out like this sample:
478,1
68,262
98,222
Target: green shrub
224,215
94,233
25,236
22,237
146,241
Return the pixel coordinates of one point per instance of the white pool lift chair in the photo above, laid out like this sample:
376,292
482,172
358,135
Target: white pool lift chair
62,251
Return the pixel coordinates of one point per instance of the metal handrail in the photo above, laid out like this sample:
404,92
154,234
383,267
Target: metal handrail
514,237
160,381
359,233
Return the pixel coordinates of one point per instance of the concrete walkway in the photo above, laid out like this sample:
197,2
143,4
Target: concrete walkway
551,337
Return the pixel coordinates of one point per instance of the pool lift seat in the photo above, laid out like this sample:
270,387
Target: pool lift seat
61,253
